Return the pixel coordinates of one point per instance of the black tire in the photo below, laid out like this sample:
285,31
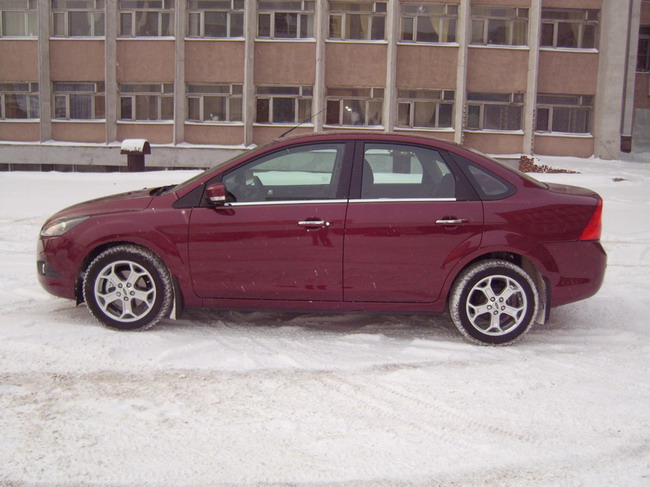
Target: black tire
493,302
128,288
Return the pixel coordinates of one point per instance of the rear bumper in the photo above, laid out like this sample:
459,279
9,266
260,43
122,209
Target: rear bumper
580,271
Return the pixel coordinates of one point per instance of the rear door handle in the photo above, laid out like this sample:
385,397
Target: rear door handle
312,225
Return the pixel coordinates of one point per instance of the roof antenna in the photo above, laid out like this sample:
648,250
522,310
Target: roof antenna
304,121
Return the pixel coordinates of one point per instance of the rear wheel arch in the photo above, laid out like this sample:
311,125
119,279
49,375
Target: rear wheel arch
541,282
494,301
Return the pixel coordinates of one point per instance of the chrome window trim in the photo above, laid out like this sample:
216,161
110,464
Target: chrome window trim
355,200
399,200
288,202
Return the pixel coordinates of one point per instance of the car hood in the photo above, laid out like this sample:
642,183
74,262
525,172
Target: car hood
131,201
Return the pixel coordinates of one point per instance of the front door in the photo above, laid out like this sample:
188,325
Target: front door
408,227
281,235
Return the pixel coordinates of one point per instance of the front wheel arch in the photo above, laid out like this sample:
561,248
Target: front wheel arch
138,277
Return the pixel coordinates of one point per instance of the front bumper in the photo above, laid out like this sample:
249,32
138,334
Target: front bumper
55,273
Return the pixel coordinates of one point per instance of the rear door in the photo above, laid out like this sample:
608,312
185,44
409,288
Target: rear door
281,235
411,217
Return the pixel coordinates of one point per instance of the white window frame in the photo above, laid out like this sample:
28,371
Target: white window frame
134,8
510,15
410,98
340,10
163,91
231,93
590,17
302,97
25,88
552,102
197,10
443,14
340,100
483,100
63,91
29,17
269,10
61,13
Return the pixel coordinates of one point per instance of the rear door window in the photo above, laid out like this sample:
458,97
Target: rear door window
393,171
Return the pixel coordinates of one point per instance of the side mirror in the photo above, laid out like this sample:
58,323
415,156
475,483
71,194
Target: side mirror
216,194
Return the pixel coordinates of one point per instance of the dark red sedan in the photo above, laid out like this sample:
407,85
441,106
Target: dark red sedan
339,222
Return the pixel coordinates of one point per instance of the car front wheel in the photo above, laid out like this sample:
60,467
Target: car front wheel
493,302
128,288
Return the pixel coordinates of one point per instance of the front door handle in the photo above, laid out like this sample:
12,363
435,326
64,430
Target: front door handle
451,221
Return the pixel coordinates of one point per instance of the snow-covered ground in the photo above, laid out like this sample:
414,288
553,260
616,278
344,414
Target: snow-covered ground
233,398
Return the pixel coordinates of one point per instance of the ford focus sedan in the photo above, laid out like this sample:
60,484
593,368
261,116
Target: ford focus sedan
369,222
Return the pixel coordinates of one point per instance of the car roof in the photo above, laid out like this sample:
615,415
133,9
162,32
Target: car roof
368,135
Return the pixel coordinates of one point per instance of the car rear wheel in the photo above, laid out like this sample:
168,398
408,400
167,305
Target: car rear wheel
493,302
128,288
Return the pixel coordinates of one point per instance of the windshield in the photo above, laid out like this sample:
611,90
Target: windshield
508,167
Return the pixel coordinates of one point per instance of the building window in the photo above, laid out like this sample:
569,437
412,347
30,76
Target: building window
77,18
146,101
357,21
283,104
425,108
19,101
432,22
215,18
570,28
78,100
146,18
564,113
355,106
18,18
507,26
494,111
643,54
290,19
214,102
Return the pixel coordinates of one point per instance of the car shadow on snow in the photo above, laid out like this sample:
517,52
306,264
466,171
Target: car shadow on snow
399,326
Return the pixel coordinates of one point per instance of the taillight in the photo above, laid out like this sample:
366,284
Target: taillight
594,226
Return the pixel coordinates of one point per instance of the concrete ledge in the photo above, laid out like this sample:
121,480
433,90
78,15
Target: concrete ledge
100,155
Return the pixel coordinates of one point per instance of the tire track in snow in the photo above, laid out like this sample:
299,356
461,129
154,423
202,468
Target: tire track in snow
462,422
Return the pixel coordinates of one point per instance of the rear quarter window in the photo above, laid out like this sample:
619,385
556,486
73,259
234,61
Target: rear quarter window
488,185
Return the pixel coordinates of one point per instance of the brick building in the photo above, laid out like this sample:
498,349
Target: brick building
204,79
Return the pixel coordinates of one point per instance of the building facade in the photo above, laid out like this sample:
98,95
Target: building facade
204,79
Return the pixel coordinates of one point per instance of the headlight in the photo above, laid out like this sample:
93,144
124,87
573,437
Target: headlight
59,227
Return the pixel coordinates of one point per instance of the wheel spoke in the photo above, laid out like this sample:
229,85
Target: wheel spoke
144,296
507,293
479,310
127,310
108,298
495,323
513,312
